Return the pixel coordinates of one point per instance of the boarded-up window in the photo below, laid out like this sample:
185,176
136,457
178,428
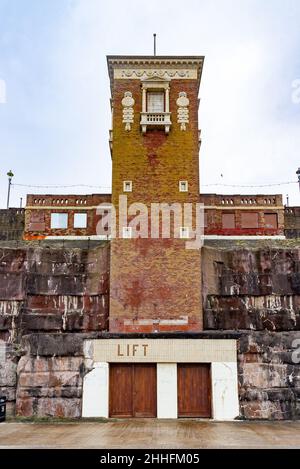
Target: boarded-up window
228,221
271,220
37,221
249,220
155,101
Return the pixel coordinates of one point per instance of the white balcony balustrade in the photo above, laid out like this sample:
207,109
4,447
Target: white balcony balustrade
156,120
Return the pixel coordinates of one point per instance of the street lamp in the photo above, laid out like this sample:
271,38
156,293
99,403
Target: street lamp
10,175
298,174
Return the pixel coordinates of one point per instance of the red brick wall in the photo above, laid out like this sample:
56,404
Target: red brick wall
155,284
216,205
39,209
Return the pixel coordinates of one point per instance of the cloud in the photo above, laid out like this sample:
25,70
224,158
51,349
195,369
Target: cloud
2,92
296,91
55,126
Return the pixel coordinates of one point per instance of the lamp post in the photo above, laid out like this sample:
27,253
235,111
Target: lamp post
10,175
298,174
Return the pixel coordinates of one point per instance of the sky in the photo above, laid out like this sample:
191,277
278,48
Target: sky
54,89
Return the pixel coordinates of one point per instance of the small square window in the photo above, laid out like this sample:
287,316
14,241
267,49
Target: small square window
228,221
183,186
127,232
59,221
271,220
80,220
249,220
127,186
184,232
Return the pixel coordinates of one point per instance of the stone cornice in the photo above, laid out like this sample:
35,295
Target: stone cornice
178,64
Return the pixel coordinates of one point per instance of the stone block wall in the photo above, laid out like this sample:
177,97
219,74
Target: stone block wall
12,224
292,222
8,378
257,293
50,374
48,290
51,299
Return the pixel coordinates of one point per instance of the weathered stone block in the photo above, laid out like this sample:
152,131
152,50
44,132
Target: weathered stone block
49,379
8,373
67,392
8,392
29,364
54,344
12,260
42,322
263,410
12,286
49,407
260,375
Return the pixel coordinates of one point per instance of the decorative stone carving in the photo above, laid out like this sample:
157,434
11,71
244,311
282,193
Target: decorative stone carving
128,113
183,110
156,73
141,73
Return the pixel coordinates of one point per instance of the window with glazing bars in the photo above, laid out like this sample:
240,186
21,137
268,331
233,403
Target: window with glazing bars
155,101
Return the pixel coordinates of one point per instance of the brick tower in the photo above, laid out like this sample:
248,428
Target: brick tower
155,282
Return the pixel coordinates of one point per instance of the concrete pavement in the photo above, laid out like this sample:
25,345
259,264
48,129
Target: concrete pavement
150,433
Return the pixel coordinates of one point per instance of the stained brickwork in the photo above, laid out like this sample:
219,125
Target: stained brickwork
239,206
151,279
282,221
40,207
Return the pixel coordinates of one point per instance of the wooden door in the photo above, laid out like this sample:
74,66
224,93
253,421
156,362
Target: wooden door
120,390
194,390
132,390
144,390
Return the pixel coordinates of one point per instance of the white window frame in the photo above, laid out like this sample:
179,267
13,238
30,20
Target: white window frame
58,225
78,225
184,232
181,189
125,184
127,232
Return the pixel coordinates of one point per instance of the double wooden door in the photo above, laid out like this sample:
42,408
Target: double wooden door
132,390
194,390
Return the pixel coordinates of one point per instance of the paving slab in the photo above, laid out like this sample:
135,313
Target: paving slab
148,433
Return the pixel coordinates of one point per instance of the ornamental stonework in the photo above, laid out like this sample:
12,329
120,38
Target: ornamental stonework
141,73
183,110
128,112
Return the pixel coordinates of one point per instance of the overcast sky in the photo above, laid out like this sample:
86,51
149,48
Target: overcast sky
55,113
